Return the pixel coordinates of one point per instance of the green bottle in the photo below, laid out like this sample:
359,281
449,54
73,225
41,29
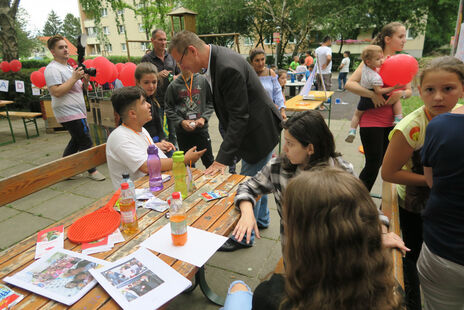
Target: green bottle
179,172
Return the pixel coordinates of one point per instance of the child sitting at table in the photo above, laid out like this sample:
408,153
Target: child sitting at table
372,57
332,251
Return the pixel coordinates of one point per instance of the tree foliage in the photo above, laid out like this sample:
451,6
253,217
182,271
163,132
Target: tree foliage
441,24
53,25
153,14
71,28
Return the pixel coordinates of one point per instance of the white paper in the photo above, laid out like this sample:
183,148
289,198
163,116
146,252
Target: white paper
141,281
4,85
51,276
156,204
19,86
35,91
165,177
48,240
115,237
200,245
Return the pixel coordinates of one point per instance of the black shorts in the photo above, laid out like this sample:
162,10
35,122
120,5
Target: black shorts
366,103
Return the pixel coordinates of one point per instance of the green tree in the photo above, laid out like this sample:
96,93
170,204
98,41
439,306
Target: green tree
71,28
27,42
441,24
8,38
53,25
153,14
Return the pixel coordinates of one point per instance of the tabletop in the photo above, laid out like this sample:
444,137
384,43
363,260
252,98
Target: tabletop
217,216
5,102
297,103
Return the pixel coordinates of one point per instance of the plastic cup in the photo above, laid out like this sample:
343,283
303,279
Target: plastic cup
338,101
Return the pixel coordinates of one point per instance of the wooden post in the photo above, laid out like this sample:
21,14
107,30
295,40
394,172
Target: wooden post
127,48
172,26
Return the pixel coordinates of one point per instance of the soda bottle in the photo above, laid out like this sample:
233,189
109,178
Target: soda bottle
179,172
154,169
127,207
126,179
178,220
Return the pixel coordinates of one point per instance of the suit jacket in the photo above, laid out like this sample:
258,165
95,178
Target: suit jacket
247,113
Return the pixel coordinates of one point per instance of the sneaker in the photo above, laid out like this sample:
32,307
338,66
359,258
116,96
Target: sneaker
76,177
397,120
96,176
340,89
351,136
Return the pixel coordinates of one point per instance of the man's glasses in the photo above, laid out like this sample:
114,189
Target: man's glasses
183,54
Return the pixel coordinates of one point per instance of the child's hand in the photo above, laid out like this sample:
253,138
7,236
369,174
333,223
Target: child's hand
186,125
399,86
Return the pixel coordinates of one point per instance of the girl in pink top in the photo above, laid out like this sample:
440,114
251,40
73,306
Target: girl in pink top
376,124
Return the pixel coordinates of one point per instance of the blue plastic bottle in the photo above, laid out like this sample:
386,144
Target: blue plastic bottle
154,169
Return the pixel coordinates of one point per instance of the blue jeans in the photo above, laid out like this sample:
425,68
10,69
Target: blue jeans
261,209
238,300
342,77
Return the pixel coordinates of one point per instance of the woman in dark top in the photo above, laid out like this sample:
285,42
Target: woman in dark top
333,251
146,77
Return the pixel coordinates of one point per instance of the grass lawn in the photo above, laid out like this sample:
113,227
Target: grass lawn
412,103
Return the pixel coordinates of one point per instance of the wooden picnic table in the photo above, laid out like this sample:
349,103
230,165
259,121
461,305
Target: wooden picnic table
298,104
4,104
217,216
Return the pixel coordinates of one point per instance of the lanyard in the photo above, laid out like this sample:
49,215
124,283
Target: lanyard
427,113
189,89
148,140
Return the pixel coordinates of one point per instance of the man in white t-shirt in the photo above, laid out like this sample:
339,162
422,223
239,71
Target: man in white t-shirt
65,87
126,148
324,64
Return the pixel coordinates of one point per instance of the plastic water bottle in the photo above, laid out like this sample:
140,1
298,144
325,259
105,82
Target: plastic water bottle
126,179
178,220
180,172
154,169
129,223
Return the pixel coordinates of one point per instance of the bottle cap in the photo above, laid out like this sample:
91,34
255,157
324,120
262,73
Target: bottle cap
176,195
178,156
124,185
125,175
152,149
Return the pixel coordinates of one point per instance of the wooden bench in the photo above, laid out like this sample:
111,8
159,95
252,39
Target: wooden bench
390,209
27,182
28,117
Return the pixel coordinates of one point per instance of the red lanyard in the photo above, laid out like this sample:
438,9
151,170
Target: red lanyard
427,113
148,140
189,89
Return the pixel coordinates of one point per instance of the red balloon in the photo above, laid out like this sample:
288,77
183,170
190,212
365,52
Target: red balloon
5,66
90,88
42,69
119,66
72,62
114,75
127,76
398,69
15,65
104,69
88,63
38,79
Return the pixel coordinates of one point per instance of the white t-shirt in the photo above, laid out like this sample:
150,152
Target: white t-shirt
321,55
346,65
370,78
126,151
70,106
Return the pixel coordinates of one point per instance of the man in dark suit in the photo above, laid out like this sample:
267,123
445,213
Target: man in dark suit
244,109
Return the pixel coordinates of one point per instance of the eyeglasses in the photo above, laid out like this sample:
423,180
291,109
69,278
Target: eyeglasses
183,54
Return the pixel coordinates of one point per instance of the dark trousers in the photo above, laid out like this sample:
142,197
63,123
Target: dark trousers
80,138
375,143
171,127
411,229
233,167
198,138
342,78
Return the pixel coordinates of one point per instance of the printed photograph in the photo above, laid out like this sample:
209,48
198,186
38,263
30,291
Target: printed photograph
132,279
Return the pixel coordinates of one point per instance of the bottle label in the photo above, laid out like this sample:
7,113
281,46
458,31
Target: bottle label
179,228
128,216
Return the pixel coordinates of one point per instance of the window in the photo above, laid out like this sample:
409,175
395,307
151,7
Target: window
108,48
121,29
91,31
139,6
143,46
141,28
106,30
95,49
104,12
411,34
120,12
268,40
123,47
248,41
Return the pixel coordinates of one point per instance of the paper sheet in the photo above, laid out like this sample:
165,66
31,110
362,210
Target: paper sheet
141,281
200,246
48,240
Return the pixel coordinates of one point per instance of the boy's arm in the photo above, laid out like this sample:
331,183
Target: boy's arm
385,90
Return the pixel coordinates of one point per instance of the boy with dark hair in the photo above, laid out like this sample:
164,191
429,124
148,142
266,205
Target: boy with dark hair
344,69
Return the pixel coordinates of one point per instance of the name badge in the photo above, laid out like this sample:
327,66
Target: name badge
191,116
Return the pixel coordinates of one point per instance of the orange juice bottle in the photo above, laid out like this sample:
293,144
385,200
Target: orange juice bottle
178,219
129,223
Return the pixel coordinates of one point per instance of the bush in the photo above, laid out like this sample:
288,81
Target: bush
35,63
22,101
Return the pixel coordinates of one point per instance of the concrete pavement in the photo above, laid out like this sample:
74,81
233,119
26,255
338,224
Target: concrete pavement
26,216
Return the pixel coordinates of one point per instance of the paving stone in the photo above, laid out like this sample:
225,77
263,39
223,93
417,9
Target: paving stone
94,189
7,212
19,227
61,206
34,199
15,169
